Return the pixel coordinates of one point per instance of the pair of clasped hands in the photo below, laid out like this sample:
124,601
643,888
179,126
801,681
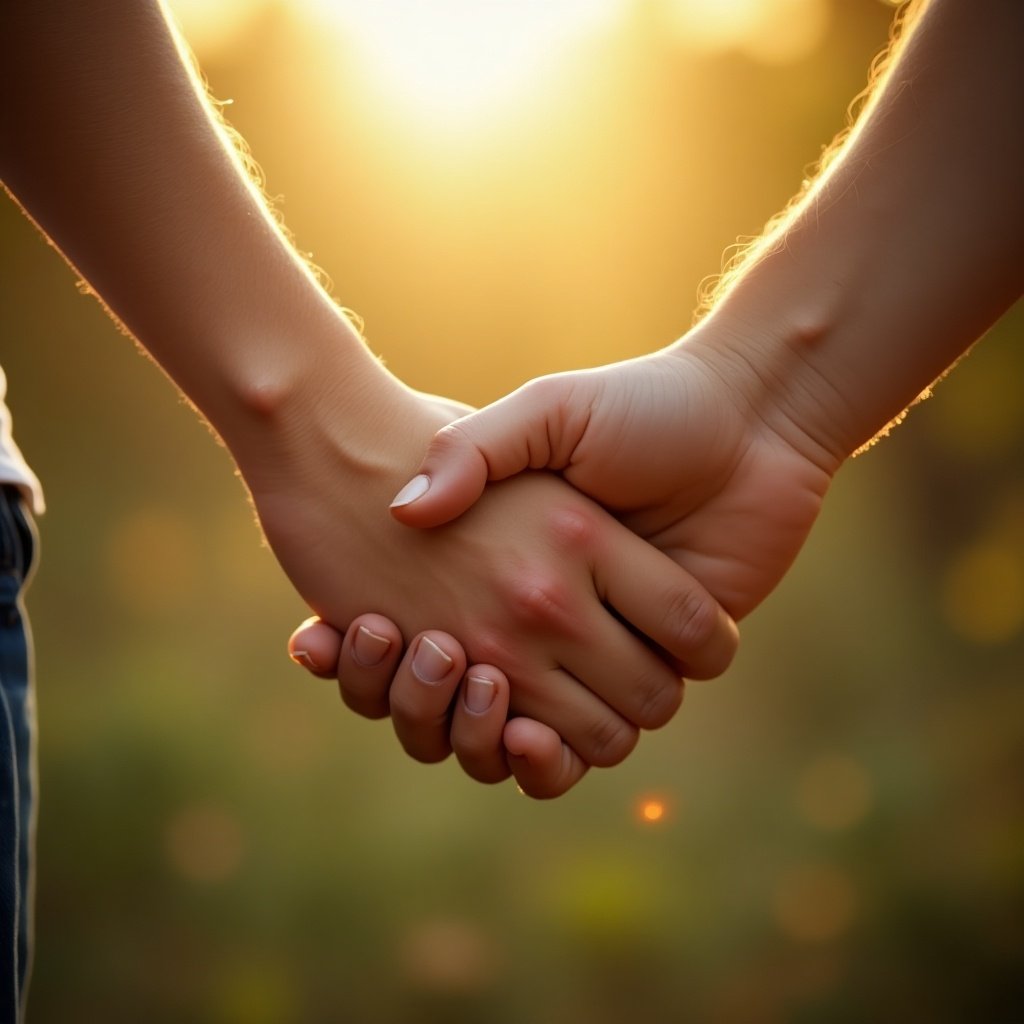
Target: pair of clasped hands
624,518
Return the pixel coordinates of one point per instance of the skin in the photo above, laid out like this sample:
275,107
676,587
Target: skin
432,719
904,251
108,143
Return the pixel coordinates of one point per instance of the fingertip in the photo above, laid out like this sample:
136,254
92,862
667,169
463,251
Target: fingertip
369,655
422,693
485,692
316,647
544,767
411,492
477,723
719,651
451,478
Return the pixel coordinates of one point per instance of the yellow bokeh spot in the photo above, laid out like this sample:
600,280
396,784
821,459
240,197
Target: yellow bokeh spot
983,592
834,792
257,991
606,900
814,902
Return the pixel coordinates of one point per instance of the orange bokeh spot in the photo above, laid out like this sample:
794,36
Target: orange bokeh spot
651,810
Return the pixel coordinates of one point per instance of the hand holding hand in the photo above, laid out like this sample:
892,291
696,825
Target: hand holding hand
537,580
688,447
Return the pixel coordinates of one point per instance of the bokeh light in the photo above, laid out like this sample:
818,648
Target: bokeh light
983,593
815,902
204,843
651,809
449,955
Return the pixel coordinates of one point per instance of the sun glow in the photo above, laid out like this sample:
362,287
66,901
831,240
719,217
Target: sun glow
463,57
770,31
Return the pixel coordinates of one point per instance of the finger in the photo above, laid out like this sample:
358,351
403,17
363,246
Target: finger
422,693
544,766
666,604
601,656
623,671
597,734
478,721
369,657
316,646
528,429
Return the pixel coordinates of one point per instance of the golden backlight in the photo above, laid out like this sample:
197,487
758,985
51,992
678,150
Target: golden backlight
461,57
459,60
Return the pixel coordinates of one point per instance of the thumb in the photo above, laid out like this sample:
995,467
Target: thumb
521,431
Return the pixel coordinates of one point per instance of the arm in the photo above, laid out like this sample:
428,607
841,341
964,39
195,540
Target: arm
107,142
908,246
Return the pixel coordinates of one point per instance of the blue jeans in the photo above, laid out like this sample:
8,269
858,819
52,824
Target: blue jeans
17,756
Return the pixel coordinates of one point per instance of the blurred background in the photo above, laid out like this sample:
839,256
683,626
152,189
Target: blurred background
834,831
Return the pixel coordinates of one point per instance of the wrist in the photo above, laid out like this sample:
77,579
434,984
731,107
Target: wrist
323,404
765,362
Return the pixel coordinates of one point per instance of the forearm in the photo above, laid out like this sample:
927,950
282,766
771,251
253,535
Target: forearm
109,144
907,248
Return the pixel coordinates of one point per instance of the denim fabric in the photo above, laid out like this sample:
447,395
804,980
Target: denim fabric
17,756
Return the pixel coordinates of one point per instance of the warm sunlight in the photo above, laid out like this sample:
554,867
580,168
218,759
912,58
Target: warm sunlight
771,31
212,25
462,57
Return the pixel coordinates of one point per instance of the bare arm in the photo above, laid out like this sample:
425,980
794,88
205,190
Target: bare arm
111,148
909,246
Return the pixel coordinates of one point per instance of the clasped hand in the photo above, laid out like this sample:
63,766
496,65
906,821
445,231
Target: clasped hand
677,446
581,628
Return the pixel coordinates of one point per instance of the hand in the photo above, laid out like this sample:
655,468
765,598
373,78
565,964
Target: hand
687,447
537,578
465,710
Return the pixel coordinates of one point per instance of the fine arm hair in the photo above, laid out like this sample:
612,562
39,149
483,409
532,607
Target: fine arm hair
746,252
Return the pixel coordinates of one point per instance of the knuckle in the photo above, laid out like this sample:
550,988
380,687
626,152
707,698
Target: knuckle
432,754
691,617
449,439
407,711
609,741
474,762
541,600
571,528
660,697
366,707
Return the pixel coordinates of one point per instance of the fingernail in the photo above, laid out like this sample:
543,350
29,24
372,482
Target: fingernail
414,489
430,664
369,649
479,694
302,658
